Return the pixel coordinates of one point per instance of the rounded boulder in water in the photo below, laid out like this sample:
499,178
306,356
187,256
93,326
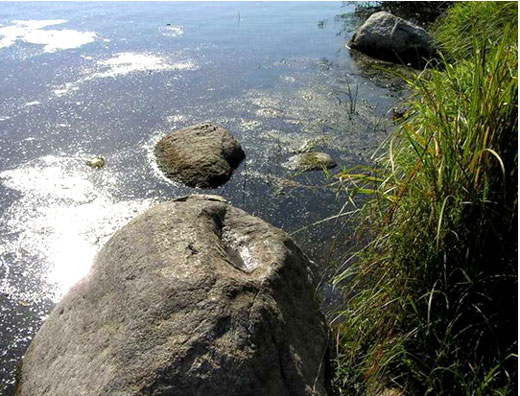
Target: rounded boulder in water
193,297
389,37
203,155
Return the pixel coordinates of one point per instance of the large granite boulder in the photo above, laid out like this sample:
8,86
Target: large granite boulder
389,37
202,155
193,297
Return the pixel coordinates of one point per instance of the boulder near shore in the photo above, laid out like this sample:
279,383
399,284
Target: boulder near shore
202,155
193,297
388,37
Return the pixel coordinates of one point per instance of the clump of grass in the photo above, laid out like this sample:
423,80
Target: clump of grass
472,23
431,297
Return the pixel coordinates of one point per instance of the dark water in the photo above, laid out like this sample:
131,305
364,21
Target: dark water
111,78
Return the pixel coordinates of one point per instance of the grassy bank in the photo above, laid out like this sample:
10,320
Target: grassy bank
431,294
423,13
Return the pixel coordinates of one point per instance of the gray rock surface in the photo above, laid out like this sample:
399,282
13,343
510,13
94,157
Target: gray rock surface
193,297
202,155
389,37
310,161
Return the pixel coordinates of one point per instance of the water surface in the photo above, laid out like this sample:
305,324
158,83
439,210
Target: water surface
80,80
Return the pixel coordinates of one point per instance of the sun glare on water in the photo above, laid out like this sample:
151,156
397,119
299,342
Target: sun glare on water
33,32
64,215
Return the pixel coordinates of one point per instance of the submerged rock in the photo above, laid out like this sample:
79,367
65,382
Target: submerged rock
97,163
193,297
310,161
309,144
389,37
203,155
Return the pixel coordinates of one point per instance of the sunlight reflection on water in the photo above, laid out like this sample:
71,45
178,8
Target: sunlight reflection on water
33,32
274,77
66,212
124,63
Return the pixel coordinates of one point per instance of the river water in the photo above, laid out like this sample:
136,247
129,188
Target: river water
80,80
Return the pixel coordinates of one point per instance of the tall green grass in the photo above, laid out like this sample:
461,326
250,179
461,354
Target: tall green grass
431,296
473,23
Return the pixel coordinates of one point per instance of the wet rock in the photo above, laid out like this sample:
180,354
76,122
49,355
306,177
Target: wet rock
388,37
203,155
97,163
309,144
310,161
193,297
